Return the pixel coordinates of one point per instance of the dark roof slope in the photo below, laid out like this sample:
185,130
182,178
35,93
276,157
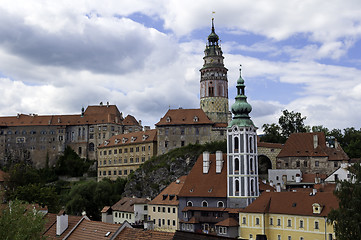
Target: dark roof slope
131,138
211,184
141,234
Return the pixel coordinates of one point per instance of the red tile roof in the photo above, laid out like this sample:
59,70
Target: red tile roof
292,203
130,120
301,145
131,138
93,230
211,184
310,177
184,117
270,145
92,115
229,222
126,204
141,234
169,195
264,187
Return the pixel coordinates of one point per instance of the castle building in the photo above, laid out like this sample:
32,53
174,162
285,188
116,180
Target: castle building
214,83
242,157
122,154
180,127
36,138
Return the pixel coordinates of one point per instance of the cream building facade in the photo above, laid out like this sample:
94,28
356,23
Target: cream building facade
289,216
122,154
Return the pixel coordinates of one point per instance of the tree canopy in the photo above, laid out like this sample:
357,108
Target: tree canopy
347,218
19,222
71,164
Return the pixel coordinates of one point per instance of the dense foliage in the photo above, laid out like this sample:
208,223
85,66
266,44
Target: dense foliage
19,222
347,219
91,196
71,164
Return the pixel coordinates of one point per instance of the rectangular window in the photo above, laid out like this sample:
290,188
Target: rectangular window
125,150
173,210
130,149
244,220
173,222
104,173
289,223
305,163
278,237
154,209
163,209
137,149
182,143
158,209
120,150
168,209
115,151
159,222
317,163
115,172
316,225
271,221
301,223
278,222
257,221
109,172
168,222
120,172
125,172
289,238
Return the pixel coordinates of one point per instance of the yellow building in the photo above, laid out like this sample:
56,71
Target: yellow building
122,154
163,209
289,216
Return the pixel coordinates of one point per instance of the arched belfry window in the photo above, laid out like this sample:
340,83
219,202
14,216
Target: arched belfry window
236,165
251,165
252,188
236,144
204,203
211,91
189,204
237,185
251,144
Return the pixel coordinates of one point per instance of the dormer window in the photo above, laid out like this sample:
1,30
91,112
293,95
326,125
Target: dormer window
124,140
106,143
116,141
168,119
317,208
145,137
133,139
195,119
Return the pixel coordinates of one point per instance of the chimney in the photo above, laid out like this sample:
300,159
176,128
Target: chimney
59,120
336,143
61,223
140,122
206,162
219,161
317,178
82,112
278,187
107,104
298,178
315,141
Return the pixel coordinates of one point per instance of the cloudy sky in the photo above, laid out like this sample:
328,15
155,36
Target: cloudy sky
145,56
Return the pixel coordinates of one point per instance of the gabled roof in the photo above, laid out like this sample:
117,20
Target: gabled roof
212,184
126,204
169,196
141,234
184,117
131,138
92,115
93,230
292,203
310,177
302,145
270,145
130,120
50,225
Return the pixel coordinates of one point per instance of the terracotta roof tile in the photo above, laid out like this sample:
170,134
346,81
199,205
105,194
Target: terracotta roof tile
50,225
292,203
211,184
131,138
93,230
310,177
105,209
264,187
126,204
92,115
229,222
169,195
130,120
301,145
140,234
184,117
206,209
270,145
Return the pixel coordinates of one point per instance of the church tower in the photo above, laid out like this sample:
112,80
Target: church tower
242,172
214,83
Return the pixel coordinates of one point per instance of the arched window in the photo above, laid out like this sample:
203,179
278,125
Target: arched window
220,204
237,185
251,165
252,188
91,147
236,144
204,203
251,144
189,204
236,165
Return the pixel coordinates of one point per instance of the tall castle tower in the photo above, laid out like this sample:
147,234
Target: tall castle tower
214,83
242,172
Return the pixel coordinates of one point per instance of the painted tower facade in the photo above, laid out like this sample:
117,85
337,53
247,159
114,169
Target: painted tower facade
242,172
214,83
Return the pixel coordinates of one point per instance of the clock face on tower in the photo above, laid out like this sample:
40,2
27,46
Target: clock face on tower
211,60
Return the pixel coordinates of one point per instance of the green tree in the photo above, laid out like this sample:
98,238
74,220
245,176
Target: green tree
291,122
17,222
347,218
272,134
321,128
71,164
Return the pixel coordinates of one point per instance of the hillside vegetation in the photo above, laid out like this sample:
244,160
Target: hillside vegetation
158,172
